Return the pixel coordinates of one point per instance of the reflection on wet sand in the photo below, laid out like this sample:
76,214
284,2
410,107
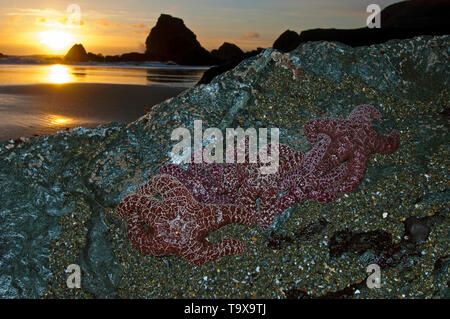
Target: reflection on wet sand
176,77
108,74
26,110
42,99
58,120
59,74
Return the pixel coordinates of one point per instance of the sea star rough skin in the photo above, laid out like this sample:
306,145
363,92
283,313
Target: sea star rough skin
206,196
241,184
245,185
335,165
352,142
176,223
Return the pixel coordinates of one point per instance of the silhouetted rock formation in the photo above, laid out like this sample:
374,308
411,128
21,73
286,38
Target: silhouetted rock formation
77,53
112,58
228,51
401,20
171,40
95,57
287,41
127,57
211,73
417,15
133,57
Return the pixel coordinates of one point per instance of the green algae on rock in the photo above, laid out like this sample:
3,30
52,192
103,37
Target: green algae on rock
58,192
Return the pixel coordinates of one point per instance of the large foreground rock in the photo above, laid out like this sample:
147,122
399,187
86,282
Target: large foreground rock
58,193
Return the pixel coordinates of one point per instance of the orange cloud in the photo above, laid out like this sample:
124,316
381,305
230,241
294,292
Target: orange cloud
137,28
251,35
140,25
13,19
103,23
58,22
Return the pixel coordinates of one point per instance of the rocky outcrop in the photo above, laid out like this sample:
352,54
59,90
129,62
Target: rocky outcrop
228,51
58,193
171,40
77,53
401,20
287,41
95,57
214,71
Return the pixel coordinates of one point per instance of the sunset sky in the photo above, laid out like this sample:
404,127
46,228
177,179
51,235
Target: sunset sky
119,26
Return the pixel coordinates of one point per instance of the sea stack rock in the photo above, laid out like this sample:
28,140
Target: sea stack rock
77,53
287,41
228,51
171,40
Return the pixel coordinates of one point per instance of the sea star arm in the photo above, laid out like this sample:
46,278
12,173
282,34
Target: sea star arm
309,165
140,238
329,184
364,114
386,144
206,185
130,204
329,126
214,217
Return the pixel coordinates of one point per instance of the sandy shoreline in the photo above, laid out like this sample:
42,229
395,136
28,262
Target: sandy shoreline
27,110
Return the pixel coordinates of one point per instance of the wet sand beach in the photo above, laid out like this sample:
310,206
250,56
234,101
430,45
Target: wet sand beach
27,110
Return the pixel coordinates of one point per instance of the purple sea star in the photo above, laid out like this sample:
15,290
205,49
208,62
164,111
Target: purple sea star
244,184
164,219
206,196
353,140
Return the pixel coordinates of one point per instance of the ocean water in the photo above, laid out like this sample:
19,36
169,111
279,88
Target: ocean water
120,73
40,99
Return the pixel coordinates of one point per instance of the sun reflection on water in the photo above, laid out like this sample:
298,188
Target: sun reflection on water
58,120
59,74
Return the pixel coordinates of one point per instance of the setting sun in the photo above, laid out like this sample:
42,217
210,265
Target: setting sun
56,40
